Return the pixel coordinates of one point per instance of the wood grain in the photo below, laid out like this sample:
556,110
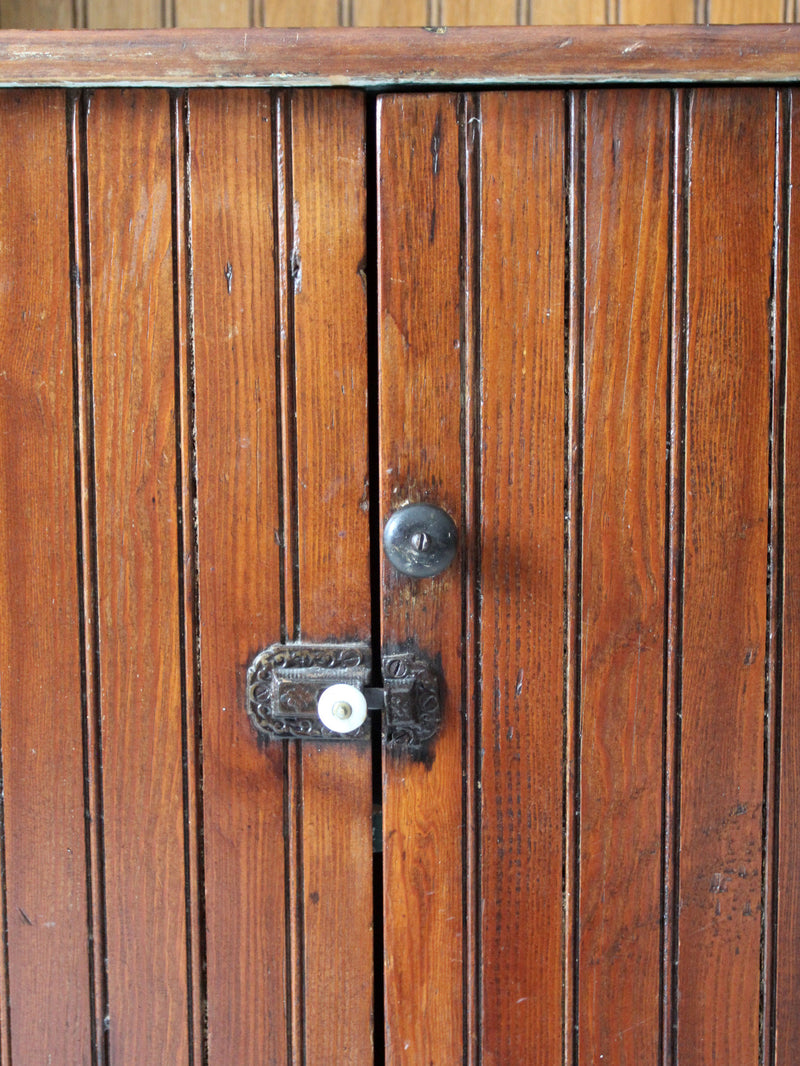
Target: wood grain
660,12
674,544
327,268
299,13
130,220
217,13
238,534
37,14
125,14
787,935
382,57
522,575
187,580
573,431
626,345
731,199
45,889
478,13
381,13
420,460
567,13
738,11
59,14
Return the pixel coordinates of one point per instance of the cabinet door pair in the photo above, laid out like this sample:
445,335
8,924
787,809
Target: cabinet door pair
240,328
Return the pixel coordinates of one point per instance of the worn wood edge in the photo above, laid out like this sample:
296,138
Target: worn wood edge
374,58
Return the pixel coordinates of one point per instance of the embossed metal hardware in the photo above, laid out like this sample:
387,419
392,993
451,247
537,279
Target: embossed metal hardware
420,540
290,697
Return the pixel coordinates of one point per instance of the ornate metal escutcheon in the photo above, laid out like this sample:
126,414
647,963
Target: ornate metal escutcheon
288,686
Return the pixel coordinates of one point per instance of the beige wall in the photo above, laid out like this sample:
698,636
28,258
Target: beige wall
131,14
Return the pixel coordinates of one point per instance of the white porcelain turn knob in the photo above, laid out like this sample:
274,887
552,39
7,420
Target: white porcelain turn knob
342,708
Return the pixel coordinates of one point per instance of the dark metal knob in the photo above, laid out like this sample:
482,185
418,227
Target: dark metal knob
420,540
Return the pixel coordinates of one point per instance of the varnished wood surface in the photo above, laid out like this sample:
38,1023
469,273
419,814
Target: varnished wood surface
123,14
522,576
329,313
730,236
238,528
587,354
130,232
384,57
420,338
787,914
62,14
626,338
45,968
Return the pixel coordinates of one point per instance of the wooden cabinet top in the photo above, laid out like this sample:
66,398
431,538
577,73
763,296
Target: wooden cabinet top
377,58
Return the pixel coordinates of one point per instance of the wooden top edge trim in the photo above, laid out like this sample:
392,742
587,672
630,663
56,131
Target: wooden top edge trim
382,58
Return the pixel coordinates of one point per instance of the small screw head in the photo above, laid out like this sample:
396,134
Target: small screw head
342,710
420,541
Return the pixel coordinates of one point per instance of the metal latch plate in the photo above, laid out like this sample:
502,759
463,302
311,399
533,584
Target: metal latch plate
285,681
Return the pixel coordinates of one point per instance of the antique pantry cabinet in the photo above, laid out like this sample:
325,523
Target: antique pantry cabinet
276,288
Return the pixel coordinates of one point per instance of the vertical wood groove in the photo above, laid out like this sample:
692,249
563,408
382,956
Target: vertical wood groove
774,583
289,569
78,107
573,491
187,548
676,398
786,914
375,552
470,151
6,1057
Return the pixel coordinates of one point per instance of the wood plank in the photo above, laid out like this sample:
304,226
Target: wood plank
381,13
187,573
731,197
239,561
787,937
743,11
535,55
658,12
125,14
573,430
522,575
674,576
299,13
216,13
37,14
626,350
567,13
130,221
479,13
40,616
330,349
420,460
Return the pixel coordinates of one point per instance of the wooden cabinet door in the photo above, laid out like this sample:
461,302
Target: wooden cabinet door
240,328
586,349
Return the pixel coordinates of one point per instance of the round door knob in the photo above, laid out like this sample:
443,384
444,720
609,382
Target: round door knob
420,540
342,708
